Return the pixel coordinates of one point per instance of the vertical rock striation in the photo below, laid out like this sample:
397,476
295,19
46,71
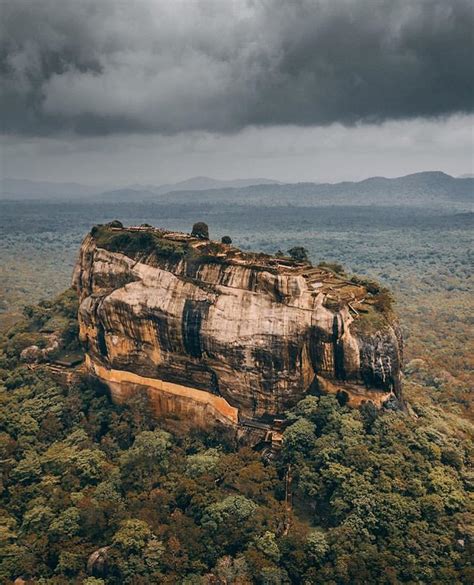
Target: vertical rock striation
213,334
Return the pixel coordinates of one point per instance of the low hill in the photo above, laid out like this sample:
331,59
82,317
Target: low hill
25,189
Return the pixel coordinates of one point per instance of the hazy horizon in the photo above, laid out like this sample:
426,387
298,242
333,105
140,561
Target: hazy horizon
292,155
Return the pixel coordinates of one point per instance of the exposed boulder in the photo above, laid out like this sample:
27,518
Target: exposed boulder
213,334
97,563
34,353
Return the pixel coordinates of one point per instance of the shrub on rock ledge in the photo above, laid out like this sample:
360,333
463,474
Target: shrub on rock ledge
115,224
299,254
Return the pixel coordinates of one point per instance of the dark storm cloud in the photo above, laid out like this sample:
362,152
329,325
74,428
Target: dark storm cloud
150,66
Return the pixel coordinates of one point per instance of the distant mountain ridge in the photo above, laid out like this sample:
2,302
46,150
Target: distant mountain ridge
429,188
205,183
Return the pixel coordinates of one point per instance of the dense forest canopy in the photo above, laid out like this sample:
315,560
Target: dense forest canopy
376,497
98,494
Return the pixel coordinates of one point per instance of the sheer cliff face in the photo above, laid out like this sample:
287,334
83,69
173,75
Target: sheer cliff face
217,335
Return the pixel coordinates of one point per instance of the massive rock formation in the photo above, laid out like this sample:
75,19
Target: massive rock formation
214,334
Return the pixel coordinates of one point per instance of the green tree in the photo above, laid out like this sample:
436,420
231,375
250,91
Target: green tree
299,254
28,469
200,230
230,511
132,536
202,463
66,525
267,544
146,459
316,546
300,437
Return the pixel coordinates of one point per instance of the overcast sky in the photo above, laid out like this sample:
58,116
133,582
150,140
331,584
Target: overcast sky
153,91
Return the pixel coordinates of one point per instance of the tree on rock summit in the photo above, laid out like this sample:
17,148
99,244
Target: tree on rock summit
200,230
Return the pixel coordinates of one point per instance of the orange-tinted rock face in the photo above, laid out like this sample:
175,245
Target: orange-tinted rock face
212,334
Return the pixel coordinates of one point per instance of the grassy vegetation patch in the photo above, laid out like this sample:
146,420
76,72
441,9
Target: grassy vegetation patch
380,297
134,243
333,267
370,321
